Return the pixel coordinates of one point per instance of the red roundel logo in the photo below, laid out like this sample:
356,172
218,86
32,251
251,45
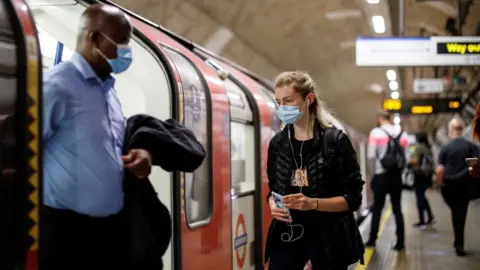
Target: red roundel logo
240,242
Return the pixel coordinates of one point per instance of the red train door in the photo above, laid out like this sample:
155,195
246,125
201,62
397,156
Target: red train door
246,192
20,178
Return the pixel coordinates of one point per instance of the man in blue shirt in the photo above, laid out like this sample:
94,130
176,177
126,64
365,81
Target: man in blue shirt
83,166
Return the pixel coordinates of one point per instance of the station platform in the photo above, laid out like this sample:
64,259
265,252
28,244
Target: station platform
427,249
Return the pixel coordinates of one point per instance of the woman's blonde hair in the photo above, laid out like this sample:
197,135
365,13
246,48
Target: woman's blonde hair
303,84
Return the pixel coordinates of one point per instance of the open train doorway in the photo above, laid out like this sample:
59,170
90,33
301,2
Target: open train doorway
20,113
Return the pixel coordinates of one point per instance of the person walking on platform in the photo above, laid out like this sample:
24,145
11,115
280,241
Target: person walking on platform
83,132
387,154
453,175
423,168
315,184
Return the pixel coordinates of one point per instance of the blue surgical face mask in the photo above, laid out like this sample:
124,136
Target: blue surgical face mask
124,57
289,114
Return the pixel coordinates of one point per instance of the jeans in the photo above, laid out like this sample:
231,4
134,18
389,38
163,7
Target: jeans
421,186
391,184
456,195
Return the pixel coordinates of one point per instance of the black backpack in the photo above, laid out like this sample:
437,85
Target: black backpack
427,166
330,142
394,159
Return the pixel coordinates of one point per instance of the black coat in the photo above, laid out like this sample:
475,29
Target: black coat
174,148
332,170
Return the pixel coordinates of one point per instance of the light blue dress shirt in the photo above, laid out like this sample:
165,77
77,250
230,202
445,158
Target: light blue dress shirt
83,132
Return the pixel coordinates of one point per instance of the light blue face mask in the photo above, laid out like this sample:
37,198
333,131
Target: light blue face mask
289,114
124,57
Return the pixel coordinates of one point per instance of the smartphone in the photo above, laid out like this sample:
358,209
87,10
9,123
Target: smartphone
472,161
278,199
278,202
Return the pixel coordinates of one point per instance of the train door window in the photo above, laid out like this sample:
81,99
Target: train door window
272,104
242,141
196,106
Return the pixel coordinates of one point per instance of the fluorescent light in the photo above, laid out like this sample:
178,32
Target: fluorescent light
343,14
396,120
375,88
378,24
393,85
391,75
395,95
373,1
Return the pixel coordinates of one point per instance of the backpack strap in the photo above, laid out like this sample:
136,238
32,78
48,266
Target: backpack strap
399,135
330,138
391,137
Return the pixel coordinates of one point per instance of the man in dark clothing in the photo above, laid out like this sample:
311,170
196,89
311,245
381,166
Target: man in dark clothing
453,175
386,181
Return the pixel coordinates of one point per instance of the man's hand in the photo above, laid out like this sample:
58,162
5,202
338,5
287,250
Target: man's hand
139,162
299,201
474,170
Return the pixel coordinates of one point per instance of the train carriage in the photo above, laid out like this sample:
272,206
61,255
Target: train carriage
219,212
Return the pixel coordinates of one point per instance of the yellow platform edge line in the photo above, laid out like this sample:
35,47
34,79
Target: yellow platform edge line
369,251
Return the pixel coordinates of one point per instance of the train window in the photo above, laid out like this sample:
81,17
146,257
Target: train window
196,102
242,141
242,158
240,109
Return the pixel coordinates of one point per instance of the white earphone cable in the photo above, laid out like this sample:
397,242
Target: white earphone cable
288,237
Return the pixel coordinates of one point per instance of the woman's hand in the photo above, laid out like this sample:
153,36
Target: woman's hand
308,266
299,201
278,213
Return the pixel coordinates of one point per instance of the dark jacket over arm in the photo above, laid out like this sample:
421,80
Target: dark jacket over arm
174,148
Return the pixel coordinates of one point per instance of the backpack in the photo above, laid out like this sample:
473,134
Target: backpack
394,159
427,166
330,142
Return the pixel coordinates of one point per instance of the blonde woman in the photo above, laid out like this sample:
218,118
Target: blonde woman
315,184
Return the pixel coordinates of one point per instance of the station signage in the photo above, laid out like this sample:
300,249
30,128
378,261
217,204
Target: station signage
422,106
428,86
417,51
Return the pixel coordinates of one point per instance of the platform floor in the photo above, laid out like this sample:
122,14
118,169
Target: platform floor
429,249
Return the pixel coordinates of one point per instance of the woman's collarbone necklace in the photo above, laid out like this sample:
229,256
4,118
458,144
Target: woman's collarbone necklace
294,158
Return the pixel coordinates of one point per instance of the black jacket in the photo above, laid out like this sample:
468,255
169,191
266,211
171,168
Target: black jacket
174,148
332,171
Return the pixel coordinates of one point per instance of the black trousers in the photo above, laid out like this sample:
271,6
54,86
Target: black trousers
295,255
456,194
391,184
421,185
73,241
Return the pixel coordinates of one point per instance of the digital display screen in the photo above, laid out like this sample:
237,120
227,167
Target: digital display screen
422,106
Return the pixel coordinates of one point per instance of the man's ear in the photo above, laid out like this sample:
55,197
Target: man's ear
94,38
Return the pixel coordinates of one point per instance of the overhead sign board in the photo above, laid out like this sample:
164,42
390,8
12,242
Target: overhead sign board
417,51
428,86
422,106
